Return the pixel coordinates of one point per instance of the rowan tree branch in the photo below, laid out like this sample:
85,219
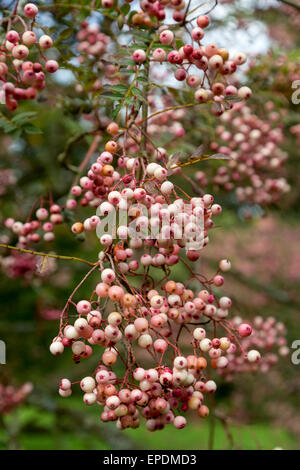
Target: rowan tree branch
48,255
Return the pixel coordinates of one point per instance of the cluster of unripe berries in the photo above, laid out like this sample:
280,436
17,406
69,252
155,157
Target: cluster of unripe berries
152,11
211,83
92,45
149,323
22,78
101,177
18,265
165,123
91,41
254,147
151,396
267,335
11,397
154,217
38,228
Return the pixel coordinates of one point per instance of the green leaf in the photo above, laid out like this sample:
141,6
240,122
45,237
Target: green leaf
31,129
120,87
125,9
65,34
22,118
116,111
112,96
6,124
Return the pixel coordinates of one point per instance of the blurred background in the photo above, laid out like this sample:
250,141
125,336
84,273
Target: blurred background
257,410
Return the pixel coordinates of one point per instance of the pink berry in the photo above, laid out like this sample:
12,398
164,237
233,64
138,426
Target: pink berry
244,330
20,52
30,10
139,56
179,422
83,307
45,42
29,38
51,66
203,21
166,37
12,36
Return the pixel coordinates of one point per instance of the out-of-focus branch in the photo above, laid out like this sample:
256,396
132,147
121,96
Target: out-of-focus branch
291,4
276,294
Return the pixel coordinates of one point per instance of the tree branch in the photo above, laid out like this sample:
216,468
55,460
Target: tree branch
48,255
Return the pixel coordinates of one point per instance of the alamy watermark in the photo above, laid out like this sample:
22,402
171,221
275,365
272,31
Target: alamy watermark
2,93
295,357
2,352
138,221
296,94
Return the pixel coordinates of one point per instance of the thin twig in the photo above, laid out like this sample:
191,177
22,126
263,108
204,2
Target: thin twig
48,255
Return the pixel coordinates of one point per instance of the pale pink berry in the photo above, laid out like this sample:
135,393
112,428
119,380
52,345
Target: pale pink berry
141,325
49,237
180,75
225,302
42,213
253,356
239,58
20,52
12,36
197,34
65,384
56,348
45,42
102,289
210,386
159,55
139,56
160,345
89,398
65,393
30,10
83,307
108,276
244,330
166,37
88,384
179,422
51,66
244,92
225,265
78,348
29,38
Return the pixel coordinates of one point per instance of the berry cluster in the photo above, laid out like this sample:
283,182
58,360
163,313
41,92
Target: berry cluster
139,316
92,45
152,323
152,11
267,334
10,397
211,83
254,147
165,123
36,228
20,77
156,216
